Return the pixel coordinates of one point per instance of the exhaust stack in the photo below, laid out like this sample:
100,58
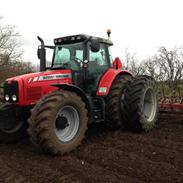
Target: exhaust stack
41,53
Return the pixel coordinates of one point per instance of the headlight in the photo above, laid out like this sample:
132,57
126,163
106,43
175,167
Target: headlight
14,98
7,97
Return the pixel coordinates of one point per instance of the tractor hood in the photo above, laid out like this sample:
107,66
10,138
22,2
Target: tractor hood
52,75
29,88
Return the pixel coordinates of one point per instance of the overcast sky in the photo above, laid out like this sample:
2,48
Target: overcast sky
139,25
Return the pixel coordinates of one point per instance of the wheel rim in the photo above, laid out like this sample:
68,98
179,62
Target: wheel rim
150,105
67,123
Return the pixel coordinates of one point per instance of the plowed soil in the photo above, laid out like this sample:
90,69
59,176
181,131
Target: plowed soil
104,157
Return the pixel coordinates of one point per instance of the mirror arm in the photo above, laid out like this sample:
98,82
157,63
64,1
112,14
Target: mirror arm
51,47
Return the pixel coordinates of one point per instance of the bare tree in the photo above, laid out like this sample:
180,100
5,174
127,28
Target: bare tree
151,67
10,53
133,64
9,45
170,65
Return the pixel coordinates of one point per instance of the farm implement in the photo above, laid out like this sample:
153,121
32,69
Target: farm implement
172,103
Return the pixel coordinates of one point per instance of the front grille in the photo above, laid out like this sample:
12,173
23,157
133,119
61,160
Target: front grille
10,89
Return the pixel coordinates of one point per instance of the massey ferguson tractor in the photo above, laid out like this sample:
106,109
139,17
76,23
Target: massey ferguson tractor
84,85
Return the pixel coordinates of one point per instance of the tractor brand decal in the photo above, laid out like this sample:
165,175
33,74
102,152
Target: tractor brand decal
55,76
50,77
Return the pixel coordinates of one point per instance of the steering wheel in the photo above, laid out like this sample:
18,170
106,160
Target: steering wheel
77,60
73,64
76,63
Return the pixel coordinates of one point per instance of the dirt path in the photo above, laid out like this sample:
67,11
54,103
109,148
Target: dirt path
105,157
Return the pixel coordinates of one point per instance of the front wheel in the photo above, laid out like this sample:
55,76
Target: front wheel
140,104
13,123
58,122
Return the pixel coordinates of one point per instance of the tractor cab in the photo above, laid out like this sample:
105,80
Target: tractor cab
87,57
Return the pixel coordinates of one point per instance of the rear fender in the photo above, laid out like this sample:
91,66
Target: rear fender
107,80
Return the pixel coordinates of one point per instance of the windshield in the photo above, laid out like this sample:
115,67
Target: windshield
69,56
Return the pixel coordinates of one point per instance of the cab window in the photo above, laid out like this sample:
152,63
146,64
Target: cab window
110,54
69,56
98,61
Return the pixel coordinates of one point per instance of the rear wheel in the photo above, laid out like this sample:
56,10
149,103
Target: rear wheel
113,102
58,122
140,104
13,123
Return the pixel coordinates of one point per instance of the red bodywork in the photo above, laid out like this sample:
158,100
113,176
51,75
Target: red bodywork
172,107
34,86
107,80
117,63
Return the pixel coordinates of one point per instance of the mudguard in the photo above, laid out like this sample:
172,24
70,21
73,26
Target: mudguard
107,80
73,88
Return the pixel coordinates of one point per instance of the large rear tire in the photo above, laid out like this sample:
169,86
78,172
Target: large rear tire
140,104
13,123
113,102
58,122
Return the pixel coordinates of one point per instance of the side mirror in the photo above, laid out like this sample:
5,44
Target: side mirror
117,63
95,45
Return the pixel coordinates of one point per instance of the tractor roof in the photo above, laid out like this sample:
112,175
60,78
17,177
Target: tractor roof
79,38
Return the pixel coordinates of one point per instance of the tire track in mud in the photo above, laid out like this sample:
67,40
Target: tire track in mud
158,151
131,165
89,172
35,170
24,164
9,175
104,157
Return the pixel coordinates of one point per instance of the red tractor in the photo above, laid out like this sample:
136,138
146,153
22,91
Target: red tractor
82,86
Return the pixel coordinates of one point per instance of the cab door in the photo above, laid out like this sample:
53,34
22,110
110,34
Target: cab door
98,63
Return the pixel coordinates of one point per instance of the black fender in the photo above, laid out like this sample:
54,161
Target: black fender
79,91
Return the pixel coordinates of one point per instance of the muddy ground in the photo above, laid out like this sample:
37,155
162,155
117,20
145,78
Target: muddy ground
104,157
